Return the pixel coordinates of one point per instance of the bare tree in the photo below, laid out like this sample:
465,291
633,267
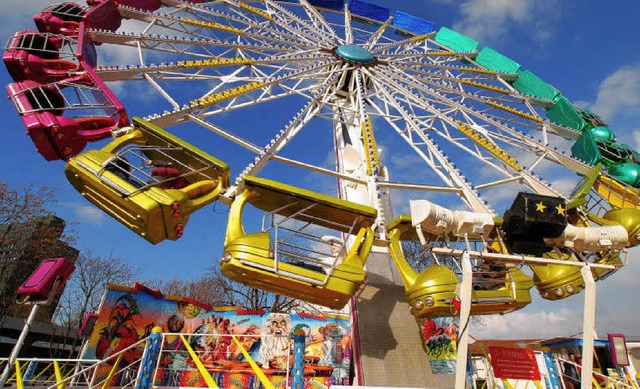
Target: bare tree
216,290
236,294
86,287
29,232
206,289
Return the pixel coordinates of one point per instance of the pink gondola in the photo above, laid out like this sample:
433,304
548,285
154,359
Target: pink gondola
63,18
47,114
40,57
46,280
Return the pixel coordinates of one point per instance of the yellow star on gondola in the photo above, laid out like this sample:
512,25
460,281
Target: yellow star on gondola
560,209
540,207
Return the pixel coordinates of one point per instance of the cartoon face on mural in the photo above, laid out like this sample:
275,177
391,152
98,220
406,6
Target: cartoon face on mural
275,349
175,323
214,340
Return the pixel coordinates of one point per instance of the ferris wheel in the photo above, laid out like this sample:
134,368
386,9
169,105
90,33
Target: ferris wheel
318,113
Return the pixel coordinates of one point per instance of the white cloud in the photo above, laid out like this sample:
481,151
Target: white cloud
636,138
619,94
491,20
526,325
89,214
18,15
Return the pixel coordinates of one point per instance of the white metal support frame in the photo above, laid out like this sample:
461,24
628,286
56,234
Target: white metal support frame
465,311
18,345
588,324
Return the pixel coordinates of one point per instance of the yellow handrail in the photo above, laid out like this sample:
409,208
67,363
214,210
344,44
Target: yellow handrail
203,371
112,372
263,378
58,373
19,381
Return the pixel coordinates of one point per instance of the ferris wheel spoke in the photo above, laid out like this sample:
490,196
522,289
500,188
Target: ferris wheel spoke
299,121
375,37
204,70
260,28
509,135
262,90
182,48
197,25
408,43
429,152
286,18
449,121
318,20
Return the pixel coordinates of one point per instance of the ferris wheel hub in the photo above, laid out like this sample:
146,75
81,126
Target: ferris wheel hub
355,53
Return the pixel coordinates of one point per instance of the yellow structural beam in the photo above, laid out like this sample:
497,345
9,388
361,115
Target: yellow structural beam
477,70
227,94
255,10
212,25
419,38
371,151
203,371
259,373
491,147
514,111
486,86
201,63
439,53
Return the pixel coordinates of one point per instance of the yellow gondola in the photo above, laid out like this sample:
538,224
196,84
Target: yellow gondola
431,292
151,209
251,259
556,282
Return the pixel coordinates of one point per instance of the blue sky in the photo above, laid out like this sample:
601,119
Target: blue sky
589,50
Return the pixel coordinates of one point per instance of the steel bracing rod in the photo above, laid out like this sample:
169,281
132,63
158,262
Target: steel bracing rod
529,179
348,32
300,36
459,91
457,87
430,126
518,259
178,115
173,45
303,117
287,17
374,189
196,26
514,137
191,70
406,43
160,90
470,195
18,346
168,119
373,39
316,17
435,159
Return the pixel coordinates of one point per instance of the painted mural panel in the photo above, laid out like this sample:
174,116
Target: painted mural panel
439,337
127,315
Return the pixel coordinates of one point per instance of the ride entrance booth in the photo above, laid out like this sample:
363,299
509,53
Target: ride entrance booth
290,256
149,180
